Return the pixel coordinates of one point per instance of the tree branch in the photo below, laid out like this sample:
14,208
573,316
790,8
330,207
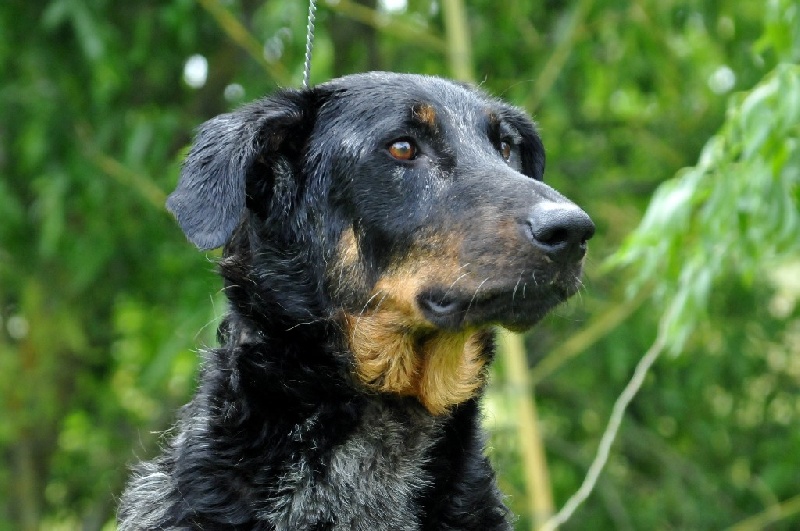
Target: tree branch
610,434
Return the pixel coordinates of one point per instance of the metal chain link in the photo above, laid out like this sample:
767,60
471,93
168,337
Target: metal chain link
312,12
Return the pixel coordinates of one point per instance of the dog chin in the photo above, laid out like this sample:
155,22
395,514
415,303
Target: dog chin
456,312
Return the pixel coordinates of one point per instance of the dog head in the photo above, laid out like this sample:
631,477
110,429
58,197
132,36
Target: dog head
411,209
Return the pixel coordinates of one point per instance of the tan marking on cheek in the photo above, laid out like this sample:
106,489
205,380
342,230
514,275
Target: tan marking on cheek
433,262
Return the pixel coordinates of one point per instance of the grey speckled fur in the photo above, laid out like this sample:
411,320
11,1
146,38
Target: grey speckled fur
372,480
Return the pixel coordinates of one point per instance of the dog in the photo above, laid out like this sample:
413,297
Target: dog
375,229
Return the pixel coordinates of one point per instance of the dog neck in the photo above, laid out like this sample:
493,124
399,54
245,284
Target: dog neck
440,368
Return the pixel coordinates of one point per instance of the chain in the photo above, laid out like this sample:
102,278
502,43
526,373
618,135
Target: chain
312,12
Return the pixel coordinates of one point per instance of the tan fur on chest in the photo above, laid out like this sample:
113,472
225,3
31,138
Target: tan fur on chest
441,369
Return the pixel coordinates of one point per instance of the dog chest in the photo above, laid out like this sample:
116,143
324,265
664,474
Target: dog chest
371,481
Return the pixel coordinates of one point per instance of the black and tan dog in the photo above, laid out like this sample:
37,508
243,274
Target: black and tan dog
375,228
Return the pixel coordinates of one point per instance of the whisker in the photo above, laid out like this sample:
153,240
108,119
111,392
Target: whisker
366,304
514,293
385,295
364,309
303,324
474,295
453,284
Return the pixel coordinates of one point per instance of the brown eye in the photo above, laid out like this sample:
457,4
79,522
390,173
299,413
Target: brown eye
505,150
403,150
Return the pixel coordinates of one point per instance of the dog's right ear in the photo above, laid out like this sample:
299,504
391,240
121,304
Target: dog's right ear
210,197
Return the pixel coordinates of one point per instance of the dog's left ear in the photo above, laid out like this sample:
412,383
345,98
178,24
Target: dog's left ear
210,197
532,155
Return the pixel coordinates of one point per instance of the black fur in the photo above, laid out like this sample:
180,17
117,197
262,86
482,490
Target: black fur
285,432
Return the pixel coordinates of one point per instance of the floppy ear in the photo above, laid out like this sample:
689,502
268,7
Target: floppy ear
210,197
533,157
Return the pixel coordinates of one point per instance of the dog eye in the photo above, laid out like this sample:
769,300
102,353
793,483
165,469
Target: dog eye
505,150
403,150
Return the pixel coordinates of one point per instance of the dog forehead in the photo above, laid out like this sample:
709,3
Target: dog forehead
381,97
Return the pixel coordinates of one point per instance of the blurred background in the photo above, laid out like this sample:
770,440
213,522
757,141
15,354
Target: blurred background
674,123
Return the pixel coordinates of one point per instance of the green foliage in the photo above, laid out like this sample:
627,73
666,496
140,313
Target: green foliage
101,298
781,31
734,214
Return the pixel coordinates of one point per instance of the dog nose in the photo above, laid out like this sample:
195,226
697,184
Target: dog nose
560,230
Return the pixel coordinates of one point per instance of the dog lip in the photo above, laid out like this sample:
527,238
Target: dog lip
452,311
442,309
